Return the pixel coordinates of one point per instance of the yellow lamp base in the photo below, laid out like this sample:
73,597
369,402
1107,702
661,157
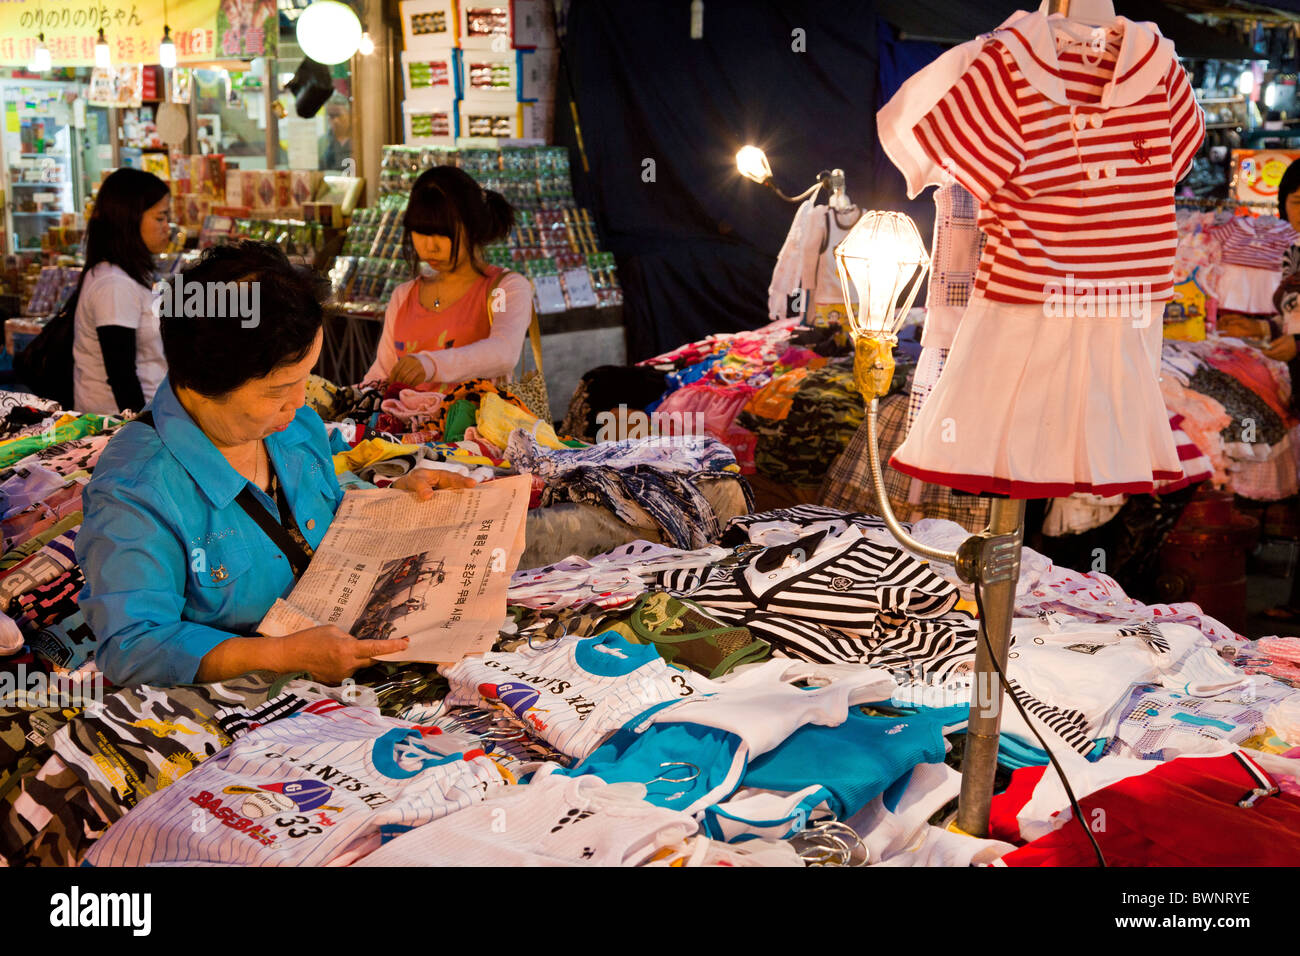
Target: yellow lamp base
873,366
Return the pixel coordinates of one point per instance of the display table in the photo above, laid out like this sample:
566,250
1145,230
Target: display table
352,336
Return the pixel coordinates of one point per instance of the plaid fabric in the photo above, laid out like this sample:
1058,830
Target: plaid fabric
848,482
958,243
923,381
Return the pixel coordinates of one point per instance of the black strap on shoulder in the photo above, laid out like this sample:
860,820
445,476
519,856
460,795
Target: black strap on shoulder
279,535
296,554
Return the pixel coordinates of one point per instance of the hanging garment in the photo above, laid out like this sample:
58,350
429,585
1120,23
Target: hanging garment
954,261
1252,253
1099,427
319,788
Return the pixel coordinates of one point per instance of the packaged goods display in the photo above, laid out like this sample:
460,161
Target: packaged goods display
554,242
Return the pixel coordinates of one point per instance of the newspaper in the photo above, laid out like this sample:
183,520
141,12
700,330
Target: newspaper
435,571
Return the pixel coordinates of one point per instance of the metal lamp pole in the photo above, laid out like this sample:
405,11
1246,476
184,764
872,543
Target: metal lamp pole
882,263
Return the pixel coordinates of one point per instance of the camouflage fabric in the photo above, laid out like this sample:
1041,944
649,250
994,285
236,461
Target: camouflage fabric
50,821
685,635
824,413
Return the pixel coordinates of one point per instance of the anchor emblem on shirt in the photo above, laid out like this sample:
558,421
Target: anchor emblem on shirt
1140,152
219,573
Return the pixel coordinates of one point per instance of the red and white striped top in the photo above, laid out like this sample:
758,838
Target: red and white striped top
1073,154
1196,464
1258,243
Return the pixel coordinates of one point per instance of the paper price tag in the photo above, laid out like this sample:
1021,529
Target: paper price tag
550,294
577,283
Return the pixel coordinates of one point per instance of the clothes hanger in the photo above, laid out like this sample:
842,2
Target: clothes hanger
1093,13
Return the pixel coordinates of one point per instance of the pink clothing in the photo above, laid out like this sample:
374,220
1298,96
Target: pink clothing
411,403
718,404
1203,420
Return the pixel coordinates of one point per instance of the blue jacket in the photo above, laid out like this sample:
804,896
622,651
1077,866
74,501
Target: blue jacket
173,565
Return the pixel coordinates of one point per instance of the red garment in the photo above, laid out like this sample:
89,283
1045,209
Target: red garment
1186,812
1003,824
1247,367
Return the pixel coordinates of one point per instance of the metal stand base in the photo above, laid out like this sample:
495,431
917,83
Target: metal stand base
991,561
997,573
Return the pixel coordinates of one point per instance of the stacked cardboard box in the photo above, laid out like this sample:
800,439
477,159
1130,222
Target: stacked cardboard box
478,69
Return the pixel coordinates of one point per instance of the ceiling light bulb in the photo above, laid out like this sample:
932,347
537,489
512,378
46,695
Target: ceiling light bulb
103,58
41,56
167,50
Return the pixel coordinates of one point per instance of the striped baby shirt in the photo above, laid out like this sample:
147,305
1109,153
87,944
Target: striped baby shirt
1072,150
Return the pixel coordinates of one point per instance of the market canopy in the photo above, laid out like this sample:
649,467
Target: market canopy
203,30
956,21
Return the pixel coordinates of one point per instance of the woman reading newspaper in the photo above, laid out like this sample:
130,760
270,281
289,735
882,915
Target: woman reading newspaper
207,509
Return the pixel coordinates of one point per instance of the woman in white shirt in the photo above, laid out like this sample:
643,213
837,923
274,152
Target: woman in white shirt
117,350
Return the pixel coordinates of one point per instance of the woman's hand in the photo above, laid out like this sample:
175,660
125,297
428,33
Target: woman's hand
1283,349
423,482
329,654
1243,327
408,371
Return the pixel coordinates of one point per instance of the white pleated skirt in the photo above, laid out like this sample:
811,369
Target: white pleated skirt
1246,289
1032,404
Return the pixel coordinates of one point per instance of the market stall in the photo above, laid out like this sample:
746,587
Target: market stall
765,599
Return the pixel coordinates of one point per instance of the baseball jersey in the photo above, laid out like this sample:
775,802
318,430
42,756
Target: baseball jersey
572,693
319,788
1072,152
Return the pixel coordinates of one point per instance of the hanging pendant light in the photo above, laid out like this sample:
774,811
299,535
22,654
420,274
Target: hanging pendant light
329,32
41,56
367,45
167,49
103,58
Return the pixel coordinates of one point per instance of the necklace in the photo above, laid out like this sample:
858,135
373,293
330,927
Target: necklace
257,465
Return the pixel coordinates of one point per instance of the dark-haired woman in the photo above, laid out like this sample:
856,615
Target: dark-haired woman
117,353
180,545
468,319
